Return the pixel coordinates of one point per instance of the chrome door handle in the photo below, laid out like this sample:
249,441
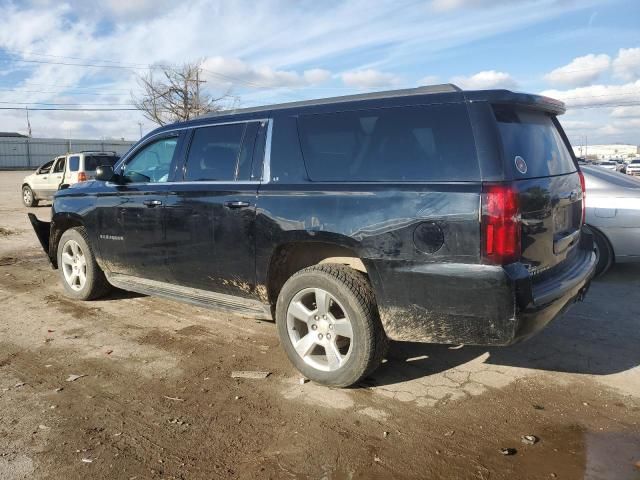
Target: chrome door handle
236,204
152,203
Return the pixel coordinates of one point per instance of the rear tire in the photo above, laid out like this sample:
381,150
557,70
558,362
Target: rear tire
81,276
28,197
328,324
604,252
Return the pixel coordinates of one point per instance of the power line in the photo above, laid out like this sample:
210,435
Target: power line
67,104
22,109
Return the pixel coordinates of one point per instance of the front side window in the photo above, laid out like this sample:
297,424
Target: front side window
421,143
152,163
214,153
46,168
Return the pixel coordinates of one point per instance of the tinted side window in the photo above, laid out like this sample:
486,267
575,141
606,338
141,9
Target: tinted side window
74,163
422,143
213,154
533,136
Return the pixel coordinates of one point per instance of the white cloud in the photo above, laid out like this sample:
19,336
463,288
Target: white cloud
485,80
429,80
627,64
445,5
317,75
595,95
580,71
626,112
369,78
226,72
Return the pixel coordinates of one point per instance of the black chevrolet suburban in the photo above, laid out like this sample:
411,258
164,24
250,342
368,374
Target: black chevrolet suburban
430,214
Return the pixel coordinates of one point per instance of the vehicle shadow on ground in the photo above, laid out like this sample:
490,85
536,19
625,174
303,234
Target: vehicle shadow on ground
117,294
599,336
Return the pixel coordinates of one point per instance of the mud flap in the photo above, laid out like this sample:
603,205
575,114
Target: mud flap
42,230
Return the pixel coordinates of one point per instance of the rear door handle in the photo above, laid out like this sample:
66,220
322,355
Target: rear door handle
152,203
236,204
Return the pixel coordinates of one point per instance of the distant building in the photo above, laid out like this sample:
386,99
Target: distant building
11,135
606,152
21,152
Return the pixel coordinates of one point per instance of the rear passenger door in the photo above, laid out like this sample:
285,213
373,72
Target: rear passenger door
210,213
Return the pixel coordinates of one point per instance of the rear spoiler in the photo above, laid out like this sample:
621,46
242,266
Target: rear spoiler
528,100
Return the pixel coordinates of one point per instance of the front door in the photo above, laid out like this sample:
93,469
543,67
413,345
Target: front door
211,213
131,227
48,178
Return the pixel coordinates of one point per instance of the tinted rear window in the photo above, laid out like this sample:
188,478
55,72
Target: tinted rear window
91,162
534,137
422,143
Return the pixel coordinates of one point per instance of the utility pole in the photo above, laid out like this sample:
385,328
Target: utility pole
28,122
585,146
140,125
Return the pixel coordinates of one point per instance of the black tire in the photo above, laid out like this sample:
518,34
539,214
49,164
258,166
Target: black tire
96,284
28,197
604,252
353,291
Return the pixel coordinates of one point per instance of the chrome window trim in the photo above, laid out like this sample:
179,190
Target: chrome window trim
266,161
266,165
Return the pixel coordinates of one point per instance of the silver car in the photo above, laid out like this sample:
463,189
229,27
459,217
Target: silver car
613,213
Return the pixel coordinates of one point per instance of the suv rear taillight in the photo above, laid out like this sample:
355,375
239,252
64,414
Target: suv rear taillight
500,224
584,193
82,177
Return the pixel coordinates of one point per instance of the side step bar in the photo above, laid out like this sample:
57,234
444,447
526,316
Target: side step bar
202,298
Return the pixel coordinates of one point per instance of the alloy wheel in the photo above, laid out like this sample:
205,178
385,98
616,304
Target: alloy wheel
319,329
74,265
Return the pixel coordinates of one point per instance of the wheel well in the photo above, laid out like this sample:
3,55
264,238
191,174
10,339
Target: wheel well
58,227
293,257
606,239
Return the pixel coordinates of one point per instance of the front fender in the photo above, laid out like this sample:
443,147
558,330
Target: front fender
43,231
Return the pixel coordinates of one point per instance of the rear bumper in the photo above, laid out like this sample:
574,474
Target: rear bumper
477,304
543,301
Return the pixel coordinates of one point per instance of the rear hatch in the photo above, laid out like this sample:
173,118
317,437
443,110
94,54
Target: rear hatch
547,184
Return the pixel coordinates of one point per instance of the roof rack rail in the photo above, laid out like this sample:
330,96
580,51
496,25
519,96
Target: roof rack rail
113,152
425,90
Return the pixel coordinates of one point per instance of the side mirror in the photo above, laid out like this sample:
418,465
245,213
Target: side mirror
105,173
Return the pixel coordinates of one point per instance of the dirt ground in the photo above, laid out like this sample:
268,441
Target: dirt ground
156,399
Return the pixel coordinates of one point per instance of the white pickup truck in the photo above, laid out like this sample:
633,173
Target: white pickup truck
61,172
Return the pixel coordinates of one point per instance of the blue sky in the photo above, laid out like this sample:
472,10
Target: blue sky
585,52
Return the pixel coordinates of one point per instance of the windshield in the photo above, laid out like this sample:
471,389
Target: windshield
533,146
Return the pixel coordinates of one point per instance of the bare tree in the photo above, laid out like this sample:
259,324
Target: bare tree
171,94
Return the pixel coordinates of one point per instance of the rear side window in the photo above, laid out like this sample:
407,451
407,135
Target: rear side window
534,137
214,152
91,162
74,163
422,143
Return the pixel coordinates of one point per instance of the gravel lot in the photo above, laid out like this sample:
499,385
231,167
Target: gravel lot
157,400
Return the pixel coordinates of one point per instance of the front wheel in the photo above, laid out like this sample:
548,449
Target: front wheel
328,324
28,198
81,276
